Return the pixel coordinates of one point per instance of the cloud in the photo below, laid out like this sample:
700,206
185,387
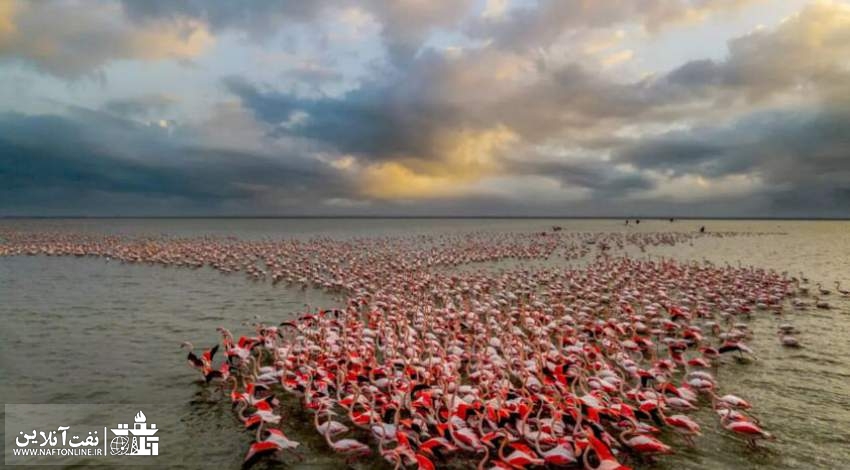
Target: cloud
7,25
75,38
61,163
150,105
405,24
463,159
693,151
808,50
597,178
406,129
495,9
522,107
377,120
257,17
772,154
410,147
545,22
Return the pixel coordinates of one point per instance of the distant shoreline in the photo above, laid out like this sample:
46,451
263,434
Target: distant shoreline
411,217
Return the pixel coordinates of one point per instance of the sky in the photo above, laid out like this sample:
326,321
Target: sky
707,108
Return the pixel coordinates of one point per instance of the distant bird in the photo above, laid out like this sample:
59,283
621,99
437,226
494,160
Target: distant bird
787,328
788,341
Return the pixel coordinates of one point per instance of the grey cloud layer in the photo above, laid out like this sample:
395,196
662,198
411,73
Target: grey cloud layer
143,106
773,111
405,25
48,161
546,21
255,17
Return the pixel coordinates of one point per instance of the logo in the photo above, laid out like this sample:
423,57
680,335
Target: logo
138,440
46,440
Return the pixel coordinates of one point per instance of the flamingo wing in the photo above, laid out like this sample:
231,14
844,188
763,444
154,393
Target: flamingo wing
194,361
259,448
424,462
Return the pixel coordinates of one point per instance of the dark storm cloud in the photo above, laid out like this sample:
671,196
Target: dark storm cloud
256,17
31,160
697,73
806,151
403,113
63,161
803,156
678,154
598,176
376,120
603,180
145,106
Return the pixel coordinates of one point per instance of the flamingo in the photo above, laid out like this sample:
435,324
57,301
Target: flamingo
276,441
683,425
262,415
205,361
748,429
606,459
351,448
643,444
822,304
788,341
521,456
730,401
438,363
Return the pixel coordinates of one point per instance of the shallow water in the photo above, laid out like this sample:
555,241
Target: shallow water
91,331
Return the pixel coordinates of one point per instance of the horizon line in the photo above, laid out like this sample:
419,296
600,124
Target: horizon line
425,217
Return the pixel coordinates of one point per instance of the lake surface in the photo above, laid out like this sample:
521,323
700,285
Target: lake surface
88,331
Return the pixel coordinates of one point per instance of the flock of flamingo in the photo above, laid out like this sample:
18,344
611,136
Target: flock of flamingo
569,352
